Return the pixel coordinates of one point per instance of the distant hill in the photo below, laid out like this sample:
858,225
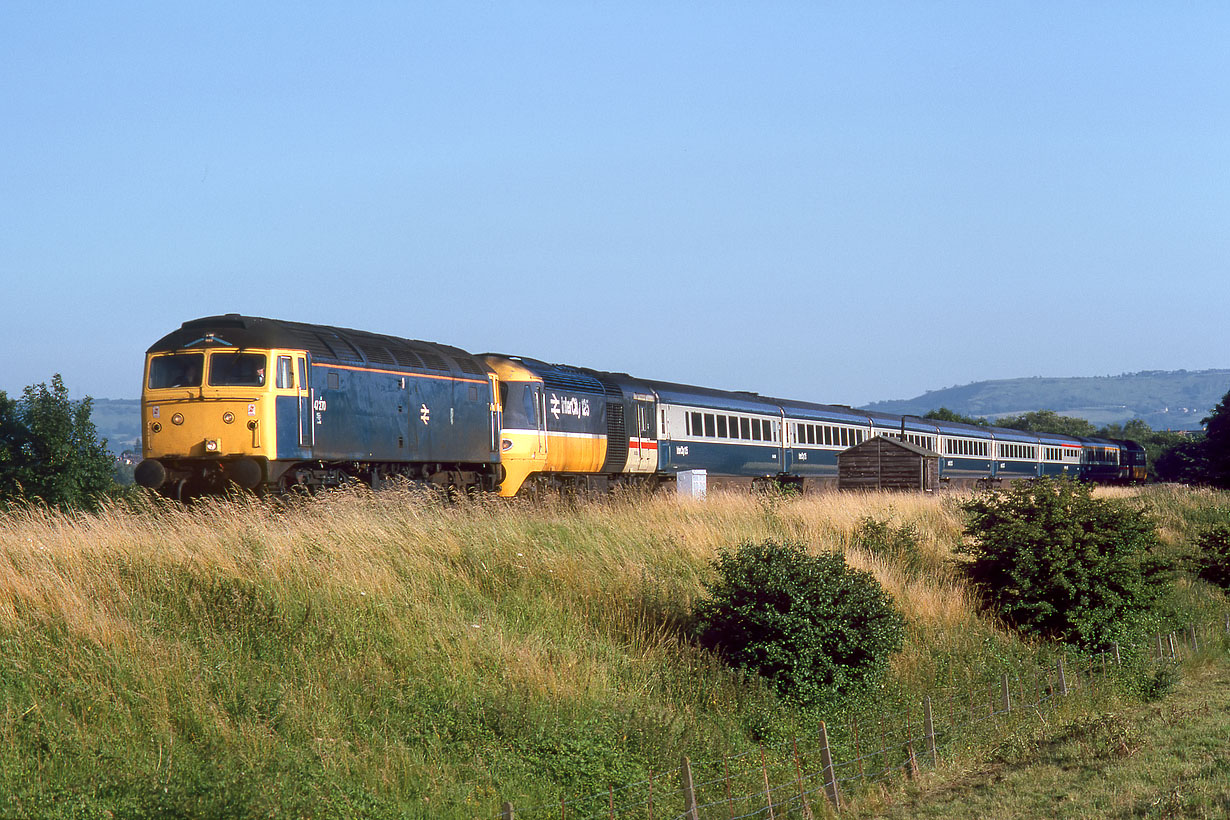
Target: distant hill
1165,400
119,422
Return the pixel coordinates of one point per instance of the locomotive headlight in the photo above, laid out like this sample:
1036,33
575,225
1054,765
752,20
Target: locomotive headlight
211,445
178,418
228,417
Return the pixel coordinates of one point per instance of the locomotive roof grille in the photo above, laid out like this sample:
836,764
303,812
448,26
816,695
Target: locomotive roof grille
326,344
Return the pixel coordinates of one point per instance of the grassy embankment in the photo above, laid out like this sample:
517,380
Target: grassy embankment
385,656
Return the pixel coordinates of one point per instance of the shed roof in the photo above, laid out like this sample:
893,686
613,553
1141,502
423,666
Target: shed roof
896,442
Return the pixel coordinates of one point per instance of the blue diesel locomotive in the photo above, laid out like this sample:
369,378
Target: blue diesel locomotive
268,404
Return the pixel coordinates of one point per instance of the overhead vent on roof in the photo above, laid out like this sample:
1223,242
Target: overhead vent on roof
342,349
569,379
311,342
434,361
469,365
376,353
405,356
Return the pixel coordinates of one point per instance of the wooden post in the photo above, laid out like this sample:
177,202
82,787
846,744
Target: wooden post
826,759
1118,659
1063,683
651,794
1170,638
506,813
911,762
1195,642
768,791
1007,700
929,730
798,772
690,811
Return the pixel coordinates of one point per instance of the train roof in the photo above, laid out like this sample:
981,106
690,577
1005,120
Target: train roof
327,344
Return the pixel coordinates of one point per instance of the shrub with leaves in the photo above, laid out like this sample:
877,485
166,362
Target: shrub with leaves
1054,561
881,538
811,624
1213,555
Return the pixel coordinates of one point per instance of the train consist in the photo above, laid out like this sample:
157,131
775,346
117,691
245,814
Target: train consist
270,405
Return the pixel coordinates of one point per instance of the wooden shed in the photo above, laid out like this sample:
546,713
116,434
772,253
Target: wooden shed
884,463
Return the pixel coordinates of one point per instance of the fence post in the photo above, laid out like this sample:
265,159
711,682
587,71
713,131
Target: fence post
830,777
929,730
1118,660
1170,638
506,813
798,772
689,792
768,790
1195,642
1063,683
651,794
1007,696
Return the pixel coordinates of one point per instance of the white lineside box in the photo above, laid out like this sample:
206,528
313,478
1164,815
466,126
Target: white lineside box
692,483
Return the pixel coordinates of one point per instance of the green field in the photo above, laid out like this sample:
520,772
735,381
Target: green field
388,656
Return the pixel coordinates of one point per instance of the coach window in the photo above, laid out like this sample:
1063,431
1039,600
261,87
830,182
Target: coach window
697,424
710,430
721,424
755,429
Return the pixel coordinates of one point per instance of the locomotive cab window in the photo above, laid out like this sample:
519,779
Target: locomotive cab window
237,369
286,373
176,370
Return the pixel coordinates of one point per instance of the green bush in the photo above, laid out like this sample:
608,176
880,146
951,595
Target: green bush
900,544
1213,555
1052,560
811,624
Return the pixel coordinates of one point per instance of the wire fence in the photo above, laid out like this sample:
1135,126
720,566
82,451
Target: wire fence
813,777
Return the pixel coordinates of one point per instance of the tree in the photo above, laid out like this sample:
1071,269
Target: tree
1216,445
1203,461
1054,561
1047,421
944,414
49,449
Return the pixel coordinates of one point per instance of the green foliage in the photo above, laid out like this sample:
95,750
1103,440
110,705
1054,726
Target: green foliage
1204,461
49,449
1212,557
944,414
1053,561
809,623
1184,463
898,544
1047,421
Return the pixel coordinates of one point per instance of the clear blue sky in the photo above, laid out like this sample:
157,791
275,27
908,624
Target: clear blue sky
840,202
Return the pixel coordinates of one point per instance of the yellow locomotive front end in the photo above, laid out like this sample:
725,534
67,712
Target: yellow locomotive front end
209,417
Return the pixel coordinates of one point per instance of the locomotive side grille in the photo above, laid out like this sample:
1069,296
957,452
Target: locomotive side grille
616,438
